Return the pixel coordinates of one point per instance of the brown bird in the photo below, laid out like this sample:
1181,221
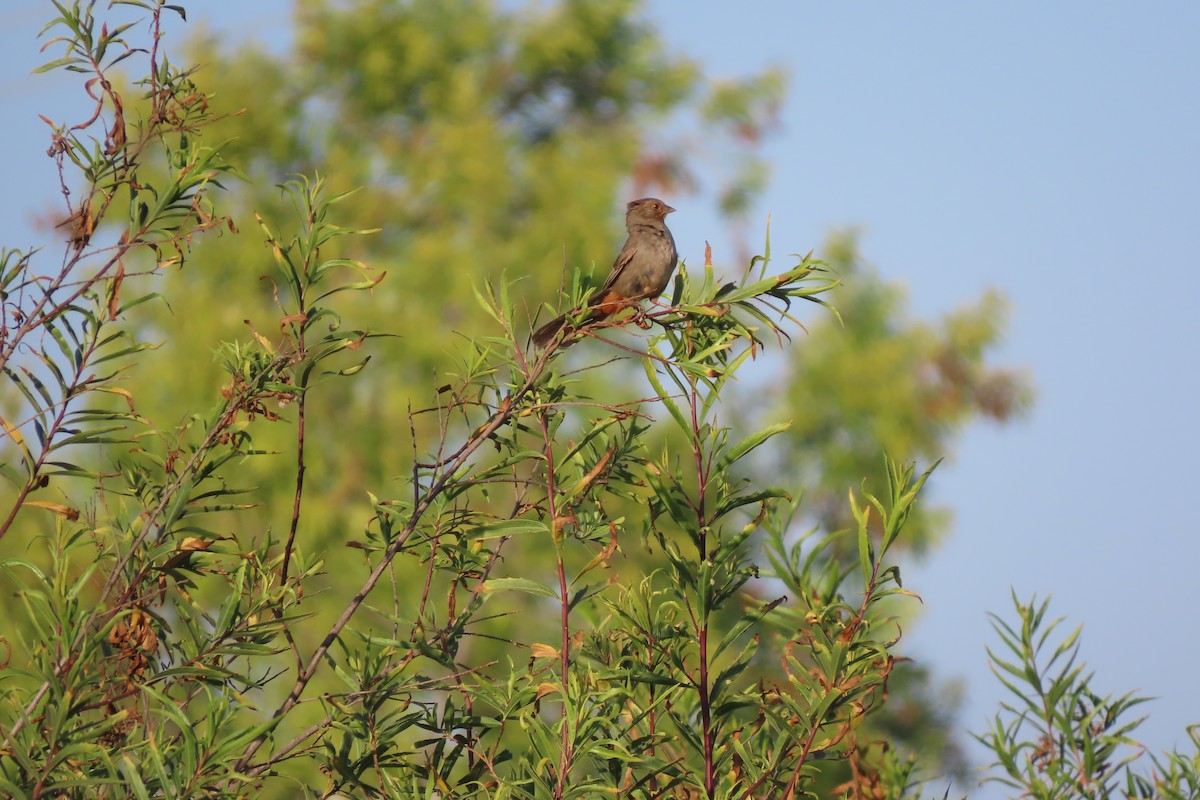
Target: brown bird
642,269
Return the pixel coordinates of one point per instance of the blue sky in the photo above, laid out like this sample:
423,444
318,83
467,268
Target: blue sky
1050,150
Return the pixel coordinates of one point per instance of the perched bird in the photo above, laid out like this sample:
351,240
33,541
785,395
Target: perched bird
642,269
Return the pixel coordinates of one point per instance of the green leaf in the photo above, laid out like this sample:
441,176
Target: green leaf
56,63
510,527
735,453
518,585
866,551
667,402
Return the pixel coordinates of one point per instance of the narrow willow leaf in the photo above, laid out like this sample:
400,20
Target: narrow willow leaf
519,585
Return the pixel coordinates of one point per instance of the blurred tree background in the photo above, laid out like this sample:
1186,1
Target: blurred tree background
493,139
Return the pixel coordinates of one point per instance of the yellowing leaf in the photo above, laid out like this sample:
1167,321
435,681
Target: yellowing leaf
539,650
58,508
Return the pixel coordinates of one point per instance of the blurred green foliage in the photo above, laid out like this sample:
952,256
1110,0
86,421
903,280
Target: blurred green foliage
486,139
877,379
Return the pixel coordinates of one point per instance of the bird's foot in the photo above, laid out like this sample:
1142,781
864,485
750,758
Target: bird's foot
641,319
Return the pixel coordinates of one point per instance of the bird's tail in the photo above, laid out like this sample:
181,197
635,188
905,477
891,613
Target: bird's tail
602,306
545,334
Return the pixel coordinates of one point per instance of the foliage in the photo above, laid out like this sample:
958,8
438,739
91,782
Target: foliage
1057,737
880,379
874,378
58,327
492,139
495,139
483,140
151,643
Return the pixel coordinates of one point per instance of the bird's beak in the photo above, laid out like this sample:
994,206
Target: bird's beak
667,210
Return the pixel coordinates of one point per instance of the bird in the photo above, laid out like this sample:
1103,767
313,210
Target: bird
642,268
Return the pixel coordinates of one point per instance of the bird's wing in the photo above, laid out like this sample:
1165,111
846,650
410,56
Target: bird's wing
623,258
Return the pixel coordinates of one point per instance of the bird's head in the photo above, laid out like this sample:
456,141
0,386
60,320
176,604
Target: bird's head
647,209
